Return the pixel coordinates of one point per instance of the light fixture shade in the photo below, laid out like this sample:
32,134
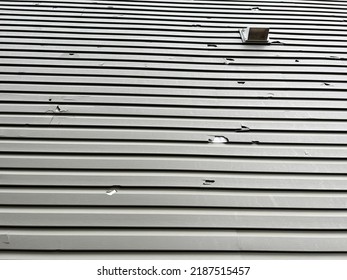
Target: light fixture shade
255,35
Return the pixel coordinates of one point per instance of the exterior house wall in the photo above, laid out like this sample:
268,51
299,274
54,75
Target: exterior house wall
110,110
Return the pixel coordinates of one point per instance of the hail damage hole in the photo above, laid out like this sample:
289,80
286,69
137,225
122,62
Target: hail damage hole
57,110
112,190
327,84
297,60
255,9
229,60
212,45
241,82
218,139
243,129
208,182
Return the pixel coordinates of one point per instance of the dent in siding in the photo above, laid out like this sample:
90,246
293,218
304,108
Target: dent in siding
4,239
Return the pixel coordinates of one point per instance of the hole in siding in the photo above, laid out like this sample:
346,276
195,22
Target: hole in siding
297,60
57,109
50,99
196,25
327,84
243,129
71,53
212,45
112,190
241,82
255,9
270,95
218,139
208,182
255,142
277,43
229,60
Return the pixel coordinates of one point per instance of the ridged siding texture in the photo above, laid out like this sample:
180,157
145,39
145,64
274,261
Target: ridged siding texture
108,109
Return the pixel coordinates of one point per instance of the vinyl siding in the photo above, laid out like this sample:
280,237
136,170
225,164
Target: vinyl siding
108,110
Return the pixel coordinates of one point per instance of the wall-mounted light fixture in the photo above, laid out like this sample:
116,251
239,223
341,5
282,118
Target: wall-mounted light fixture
255,35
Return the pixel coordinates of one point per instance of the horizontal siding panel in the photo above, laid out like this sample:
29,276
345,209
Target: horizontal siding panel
184,22
194,113
232,180
93,255
157,148
223,41
239,65
217,35
169,135
148,46
171,82
190,54
42,102
172,218
182,163
222,77
166,197
87,90
239,126
179,240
